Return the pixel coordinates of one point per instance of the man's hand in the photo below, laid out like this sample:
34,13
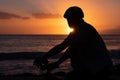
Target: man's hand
39,61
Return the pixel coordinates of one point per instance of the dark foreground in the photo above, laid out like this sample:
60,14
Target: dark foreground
30,76
59,75
55,76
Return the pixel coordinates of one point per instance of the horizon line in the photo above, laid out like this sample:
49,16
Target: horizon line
62,34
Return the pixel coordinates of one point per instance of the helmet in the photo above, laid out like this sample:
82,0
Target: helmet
74,12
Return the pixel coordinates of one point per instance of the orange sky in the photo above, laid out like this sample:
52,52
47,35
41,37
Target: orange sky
46,16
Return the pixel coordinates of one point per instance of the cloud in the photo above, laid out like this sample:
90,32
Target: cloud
5,15
45,15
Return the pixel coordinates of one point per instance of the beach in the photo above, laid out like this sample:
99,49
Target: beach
19,66
17,63
17,53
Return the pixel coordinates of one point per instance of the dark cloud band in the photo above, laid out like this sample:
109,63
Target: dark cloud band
5,15
45,15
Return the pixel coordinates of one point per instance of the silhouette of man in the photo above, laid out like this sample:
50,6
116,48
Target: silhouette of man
85,48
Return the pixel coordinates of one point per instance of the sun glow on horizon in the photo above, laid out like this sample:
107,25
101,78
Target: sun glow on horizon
71,30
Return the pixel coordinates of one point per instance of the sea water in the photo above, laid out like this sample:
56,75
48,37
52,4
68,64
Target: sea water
28,43
43,43
38,43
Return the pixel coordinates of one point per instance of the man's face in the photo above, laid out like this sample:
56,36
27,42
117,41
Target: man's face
70,22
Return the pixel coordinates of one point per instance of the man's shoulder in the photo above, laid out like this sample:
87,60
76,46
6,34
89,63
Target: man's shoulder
90,28
87,24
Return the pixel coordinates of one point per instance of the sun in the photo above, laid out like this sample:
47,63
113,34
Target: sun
70,29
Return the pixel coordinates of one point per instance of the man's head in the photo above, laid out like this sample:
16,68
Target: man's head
74,12
73,15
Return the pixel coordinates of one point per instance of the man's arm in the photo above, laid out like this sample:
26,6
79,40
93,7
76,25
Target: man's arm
56,64
55,50
65,56
58,48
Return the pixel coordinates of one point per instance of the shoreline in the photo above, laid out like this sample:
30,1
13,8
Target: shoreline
23,55
33,55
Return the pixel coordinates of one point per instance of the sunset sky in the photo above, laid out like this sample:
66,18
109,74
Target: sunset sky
46,16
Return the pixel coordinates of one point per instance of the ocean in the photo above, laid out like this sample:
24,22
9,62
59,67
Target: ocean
40,43
28,43
43,43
